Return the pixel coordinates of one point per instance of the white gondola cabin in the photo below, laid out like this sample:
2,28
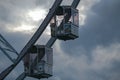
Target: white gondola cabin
36,67
69,26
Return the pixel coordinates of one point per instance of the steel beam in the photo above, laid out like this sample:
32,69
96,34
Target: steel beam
22,76
7,47
6,43
4,73
6,54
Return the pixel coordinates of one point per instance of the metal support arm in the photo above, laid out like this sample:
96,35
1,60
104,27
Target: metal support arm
22,76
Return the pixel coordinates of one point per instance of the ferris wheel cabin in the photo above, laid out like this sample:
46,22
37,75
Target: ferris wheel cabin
68,19
35,66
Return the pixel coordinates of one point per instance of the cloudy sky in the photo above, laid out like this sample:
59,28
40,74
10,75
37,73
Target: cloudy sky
93,56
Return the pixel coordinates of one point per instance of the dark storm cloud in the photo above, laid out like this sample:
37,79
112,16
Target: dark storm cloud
101,29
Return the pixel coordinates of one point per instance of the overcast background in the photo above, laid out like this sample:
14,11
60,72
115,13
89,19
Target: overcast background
93,56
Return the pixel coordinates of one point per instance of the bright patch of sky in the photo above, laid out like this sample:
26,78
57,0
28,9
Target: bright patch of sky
23,28
37,14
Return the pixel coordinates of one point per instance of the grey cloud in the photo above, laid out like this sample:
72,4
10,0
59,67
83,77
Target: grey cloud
73,60
47,4
14,13
101,29
44,3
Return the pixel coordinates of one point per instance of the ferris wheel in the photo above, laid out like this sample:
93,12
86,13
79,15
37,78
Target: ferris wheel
38,59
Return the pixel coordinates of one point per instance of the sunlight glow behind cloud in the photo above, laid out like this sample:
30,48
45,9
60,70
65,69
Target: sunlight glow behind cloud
23,28
37,14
